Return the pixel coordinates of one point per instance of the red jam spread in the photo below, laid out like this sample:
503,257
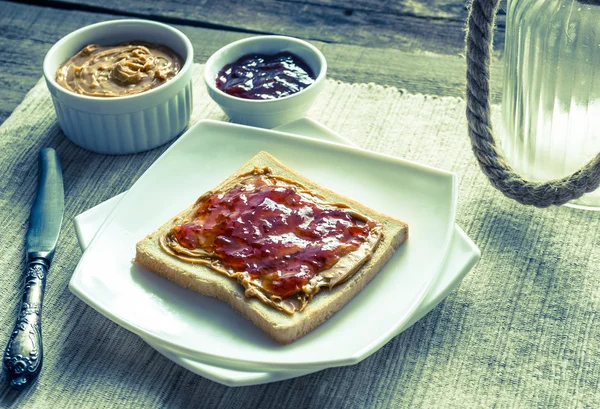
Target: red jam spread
259,76
274,231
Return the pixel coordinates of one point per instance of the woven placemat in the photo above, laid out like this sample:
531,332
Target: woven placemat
522,330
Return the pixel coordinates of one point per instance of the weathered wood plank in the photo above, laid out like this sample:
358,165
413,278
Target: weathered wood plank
27,32
408,25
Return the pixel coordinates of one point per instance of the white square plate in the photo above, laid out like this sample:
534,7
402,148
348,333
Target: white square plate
207,330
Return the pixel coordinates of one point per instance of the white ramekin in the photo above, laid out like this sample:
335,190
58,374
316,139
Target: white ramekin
273,112
128,124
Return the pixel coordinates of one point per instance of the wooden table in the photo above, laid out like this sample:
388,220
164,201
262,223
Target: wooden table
414,45
417,46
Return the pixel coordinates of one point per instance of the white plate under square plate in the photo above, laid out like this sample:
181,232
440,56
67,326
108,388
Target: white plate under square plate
207,330
463,254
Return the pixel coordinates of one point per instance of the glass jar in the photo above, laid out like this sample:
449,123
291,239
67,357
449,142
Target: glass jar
551,98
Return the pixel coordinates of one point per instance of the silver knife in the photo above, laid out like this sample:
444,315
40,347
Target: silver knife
23,355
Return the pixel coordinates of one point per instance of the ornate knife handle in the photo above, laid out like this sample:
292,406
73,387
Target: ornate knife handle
23,354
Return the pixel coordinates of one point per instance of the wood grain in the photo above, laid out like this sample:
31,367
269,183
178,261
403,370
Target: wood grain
410,25
27,32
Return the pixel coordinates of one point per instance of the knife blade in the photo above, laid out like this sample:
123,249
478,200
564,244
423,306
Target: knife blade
24,352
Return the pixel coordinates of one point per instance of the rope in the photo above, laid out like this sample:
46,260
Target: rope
480,26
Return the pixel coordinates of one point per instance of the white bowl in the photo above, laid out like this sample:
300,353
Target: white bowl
128,124
273,112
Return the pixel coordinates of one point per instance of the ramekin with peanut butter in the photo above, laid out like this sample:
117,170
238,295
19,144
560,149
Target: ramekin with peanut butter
121,86
118,70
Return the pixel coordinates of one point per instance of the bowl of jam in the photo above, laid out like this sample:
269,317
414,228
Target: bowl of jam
265,81
121,86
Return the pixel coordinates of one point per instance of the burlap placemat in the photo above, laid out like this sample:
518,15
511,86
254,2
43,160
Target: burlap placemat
523,329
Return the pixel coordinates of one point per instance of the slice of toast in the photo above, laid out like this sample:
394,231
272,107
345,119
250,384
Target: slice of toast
282,327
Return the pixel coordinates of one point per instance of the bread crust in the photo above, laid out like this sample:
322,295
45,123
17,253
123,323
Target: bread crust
281,327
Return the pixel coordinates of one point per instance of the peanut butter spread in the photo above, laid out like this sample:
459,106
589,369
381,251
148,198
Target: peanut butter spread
118,70
279,240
